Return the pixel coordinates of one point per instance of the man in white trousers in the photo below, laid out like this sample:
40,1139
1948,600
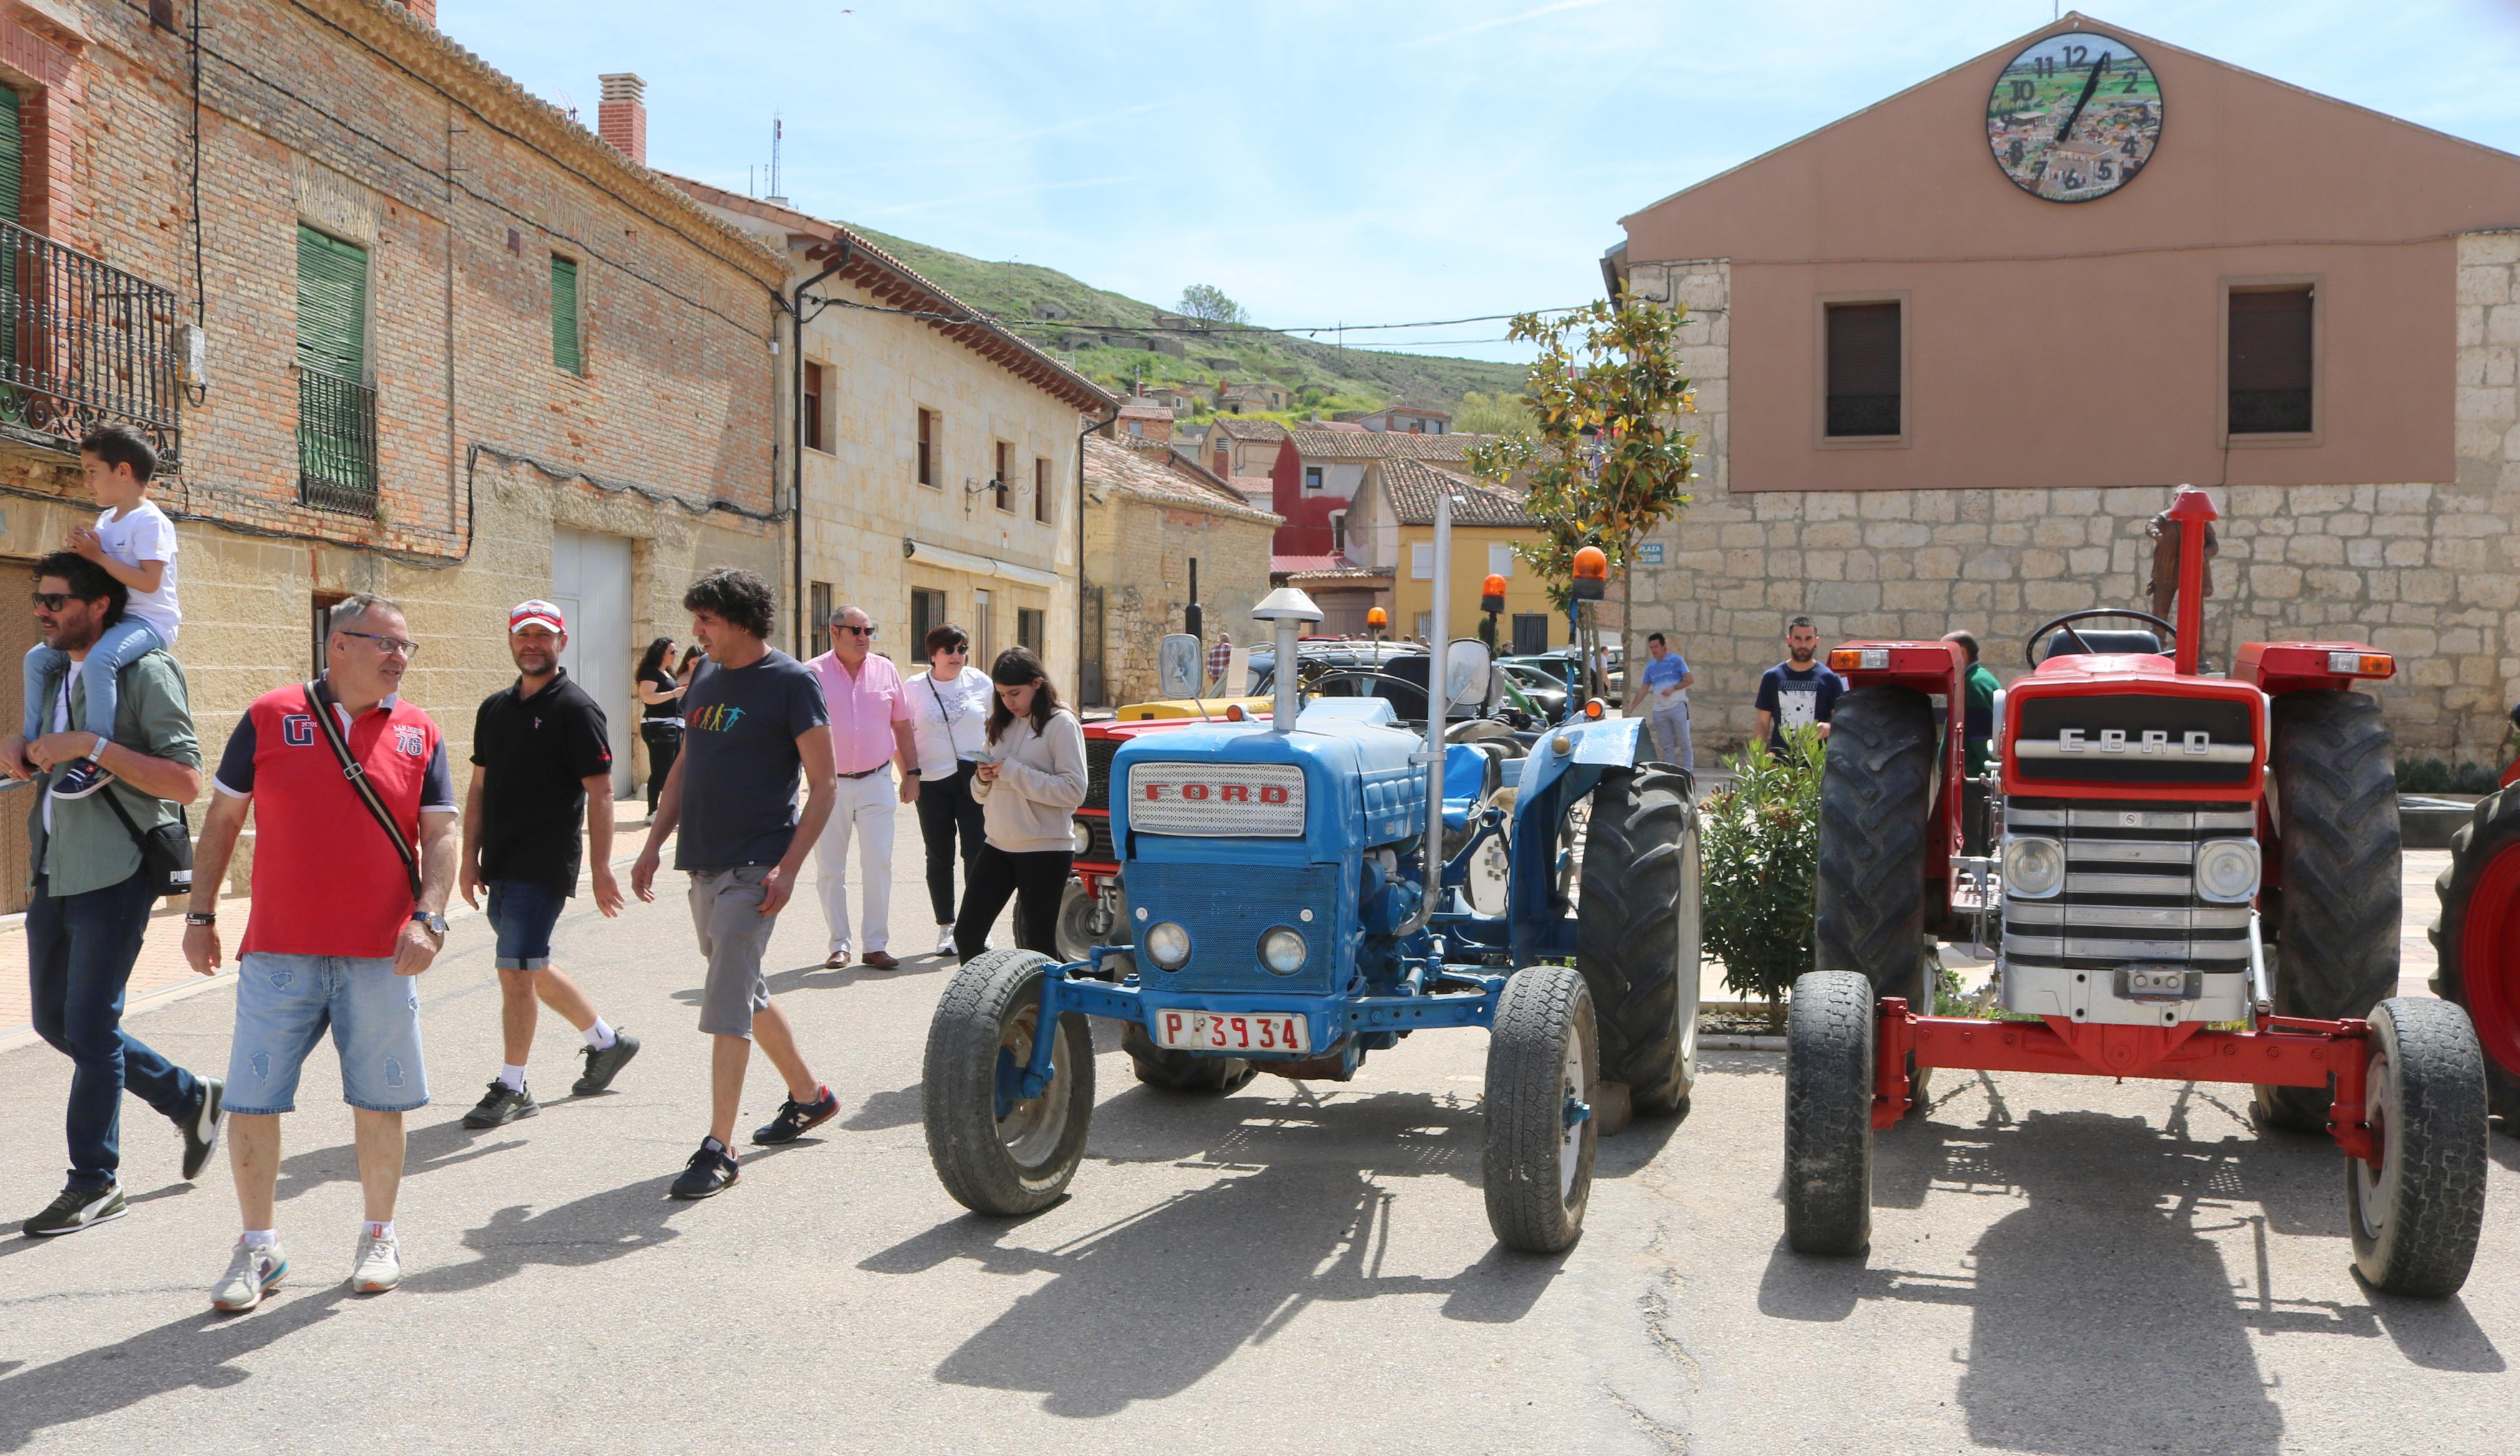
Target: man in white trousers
871,721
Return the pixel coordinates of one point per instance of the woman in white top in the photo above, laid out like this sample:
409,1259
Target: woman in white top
949,713
1031,783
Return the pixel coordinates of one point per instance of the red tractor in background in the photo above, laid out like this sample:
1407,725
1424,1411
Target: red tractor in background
2178,855
2478,936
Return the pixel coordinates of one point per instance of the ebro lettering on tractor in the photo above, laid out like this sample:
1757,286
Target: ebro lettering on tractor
2198,880
1295,901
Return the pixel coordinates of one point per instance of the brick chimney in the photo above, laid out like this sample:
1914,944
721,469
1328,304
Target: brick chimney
622,118
423,11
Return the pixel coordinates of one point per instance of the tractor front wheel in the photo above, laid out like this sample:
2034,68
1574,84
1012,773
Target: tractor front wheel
2478,938
1637,937
2417,1205
1543,1073
996,1151
1828,1113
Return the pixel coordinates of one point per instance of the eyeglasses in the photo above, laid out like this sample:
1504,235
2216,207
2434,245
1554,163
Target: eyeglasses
393,646
52,601
861,631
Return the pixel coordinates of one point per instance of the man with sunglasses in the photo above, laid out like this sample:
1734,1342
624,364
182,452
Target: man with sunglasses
92,894
871,722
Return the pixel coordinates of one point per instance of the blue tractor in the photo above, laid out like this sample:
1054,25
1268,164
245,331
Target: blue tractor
1289,912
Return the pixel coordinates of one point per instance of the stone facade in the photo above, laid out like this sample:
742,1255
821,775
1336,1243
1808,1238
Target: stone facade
2429,570
1144,523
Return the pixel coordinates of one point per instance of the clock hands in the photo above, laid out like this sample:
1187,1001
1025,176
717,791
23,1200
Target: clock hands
2083,99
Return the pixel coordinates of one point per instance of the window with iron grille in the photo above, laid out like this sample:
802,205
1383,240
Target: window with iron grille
2269,370
1028,628
819,595
926,447
927,613
567,351
336,408
1041,489
1002,485
1864,369
811,408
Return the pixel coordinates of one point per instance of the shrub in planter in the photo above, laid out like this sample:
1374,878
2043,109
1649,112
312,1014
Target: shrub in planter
1760,842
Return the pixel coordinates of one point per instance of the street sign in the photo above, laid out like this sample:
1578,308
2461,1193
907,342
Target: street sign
1649,554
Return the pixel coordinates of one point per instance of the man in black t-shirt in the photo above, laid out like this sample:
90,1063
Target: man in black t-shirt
542,756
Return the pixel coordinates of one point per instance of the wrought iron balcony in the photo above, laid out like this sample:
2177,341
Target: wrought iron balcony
82,343
336,443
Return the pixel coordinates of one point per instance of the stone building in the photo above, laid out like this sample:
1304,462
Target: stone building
1242,447
454,347
1149,529
1933,397
940,453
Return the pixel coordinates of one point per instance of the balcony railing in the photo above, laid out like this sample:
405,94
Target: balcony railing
82,343
336,443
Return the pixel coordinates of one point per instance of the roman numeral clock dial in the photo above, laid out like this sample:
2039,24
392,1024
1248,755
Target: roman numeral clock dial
2074,118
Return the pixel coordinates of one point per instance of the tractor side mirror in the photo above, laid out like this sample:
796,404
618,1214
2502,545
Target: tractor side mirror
1177,666
1466,665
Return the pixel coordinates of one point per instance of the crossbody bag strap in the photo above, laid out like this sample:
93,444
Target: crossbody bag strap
319,701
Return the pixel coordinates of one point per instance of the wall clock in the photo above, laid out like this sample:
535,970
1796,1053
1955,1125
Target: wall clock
2074,118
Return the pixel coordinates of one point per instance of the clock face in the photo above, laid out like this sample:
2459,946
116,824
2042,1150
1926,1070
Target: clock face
2074,118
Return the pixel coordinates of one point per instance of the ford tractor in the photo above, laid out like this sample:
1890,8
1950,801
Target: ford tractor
2196,878
1295,902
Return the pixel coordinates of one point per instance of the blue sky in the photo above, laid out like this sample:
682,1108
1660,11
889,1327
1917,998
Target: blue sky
1362,162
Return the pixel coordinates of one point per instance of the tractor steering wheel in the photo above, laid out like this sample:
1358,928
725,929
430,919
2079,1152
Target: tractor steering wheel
2031,649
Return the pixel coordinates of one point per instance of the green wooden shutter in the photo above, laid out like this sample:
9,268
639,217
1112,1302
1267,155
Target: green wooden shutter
13,154
331,306
564,349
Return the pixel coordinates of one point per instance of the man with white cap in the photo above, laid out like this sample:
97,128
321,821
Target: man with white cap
542,756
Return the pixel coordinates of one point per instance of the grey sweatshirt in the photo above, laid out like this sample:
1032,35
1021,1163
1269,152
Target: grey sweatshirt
1041,779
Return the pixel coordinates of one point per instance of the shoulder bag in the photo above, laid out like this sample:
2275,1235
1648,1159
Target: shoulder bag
319,701
165,852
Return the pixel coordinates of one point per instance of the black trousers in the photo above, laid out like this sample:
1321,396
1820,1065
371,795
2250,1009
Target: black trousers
946,809
664,742
1035,881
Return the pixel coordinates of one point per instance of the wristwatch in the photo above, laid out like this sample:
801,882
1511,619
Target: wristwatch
201,917
911,773
431,922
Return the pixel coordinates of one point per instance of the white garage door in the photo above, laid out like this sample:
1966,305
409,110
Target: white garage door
591,584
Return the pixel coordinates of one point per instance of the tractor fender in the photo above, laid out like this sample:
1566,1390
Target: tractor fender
1563,765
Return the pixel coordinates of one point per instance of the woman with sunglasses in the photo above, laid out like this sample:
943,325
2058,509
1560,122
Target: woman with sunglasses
1029,785
660,716
949,706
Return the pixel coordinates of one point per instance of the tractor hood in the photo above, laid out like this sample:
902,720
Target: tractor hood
1329,790
2119,726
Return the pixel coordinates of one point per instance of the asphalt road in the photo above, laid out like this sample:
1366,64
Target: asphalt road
2058,1266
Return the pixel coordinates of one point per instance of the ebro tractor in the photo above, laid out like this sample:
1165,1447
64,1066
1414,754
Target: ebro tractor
1288,910
2197,880
2478,936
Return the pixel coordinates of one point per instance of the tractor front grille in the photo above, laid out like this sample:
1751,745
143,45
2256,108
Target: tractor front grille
1099,752
1100,849
2130,895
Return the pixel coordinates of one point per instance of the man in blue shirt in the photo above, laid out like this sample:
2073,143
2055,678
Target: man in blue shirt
1797,692
1667,680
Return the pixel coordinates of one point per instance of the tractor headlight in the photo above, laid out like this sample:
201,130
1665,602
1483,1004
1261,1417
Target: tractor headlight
2227,869
1081,835
1168,944
2033,867
1282,950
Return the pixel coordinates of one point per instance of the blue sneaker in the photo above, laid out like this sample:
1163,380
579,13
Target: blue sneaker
81,779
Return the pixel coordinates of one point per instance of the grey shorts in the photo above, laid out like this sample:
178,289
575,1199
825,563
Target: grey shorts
726,911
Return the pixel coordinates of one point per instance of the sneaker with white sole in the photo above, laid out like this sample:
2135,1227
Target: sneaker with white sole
201,1128
379,1264
80,778
78,1209
253,1271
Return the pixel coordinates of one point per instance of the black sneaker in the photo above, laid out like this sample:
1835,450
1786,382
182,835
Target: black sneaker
78,1209
501,1106
710,1173
796,1119
603,1063
81,778
201,1128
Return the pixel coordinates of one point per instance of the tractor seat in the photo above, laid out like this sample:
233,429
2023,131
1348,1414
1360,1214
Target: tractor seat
2061,644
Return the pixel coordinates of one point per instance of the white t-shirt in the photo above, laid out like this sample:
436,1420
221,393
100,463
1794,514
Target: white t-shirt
145,535
948,720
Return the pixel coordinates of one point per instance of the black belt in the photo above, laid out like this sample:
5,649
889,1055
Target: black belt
862,773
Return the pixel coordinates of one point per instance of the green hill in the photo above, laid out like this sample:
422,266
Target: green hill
1123,343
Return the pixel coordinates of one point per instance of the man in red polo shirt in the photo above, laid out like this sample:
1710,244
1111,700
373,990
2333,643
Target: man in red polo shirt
870,713
335,933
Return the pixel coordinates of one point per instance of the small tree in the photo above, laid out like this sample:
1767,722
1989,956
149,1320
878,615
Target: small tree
1760,848
1207,303
1605,457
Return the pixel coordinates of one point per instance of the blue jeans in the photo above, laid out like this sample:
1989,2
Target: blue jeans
124,643
521,914
79,950
284,1005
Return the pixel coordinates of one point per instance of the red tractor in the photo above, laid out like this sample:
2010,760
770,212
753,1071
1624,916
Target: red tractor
2196,880
2478,936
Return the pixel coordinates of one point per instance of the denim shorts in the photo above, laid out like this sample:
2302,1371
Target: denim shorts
284,1005
522,913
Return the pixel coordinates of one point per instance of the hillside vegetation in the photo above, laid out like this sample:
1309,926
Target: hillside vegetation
1054,311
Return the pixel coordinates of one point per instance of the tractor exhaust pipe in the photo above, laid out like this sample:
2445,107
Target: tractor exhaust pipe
1439,703
1288,611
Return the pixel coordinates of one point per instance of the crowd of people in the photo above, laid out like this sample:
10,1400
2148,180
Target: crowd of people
755,759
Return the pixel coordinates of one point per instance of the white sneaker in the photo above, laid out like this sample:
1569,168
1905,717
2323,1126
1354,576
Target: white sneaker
944,939
379,1264
253,1272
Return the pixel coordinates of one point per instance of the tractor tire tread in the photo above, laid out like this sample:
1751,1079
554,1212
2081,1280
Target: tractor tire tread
1539,1007
1876,799
1828,1113
1168,1069
1629,934
2438,1127
958,1077
2492,831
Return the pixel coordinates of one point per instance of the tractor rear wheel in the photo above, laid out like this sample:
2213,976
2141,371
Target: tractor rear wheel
998,1152
1828,1113
2336,827
2416,1209
2478,938
1173,1071
1636,938
1544,1080
1877,811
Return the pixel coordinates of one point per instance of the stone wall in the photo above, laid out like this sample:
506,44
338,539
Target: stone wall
2429,570
1139,553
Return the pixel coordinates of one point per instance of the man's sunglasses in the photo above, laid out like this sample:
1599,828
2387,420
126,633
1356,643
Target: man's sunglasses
53,601
859,631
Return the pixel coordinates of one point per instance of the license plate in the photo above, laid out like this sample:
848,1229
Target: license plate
1233,1031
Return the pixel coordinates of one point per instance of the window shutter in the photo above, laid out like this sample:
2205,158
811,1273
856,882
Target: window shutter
1421,562
331,306
13,156
1864,369
2271,362
566,352
1500,559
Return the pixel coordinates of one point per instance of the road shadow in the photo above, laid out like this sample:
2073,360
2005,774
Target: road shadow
593,1230
813,976
899,1108
426,1150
